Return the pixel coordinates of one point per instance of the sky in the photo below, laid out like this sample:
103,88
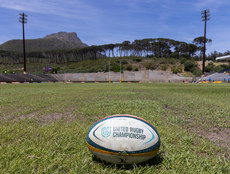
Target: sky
99,22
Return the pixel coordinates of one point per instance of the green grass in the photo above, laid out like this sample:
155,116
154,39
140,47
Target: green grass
43,127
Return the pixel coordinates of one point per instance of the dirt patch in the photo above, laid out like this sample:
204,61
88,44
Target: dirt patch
48,118
5,118
220,136
70,114
216,135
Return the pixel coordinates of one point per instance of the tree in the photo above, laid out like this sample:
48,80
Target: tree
192,49
125,46
199,42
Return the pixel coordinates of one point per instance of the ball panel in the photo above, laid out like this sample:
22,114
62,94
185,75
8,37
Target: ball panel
127,116
118,159
119,153
123,139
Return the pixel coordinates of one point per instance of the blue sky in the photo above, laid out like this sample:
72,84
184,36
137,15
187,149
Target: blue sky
98,22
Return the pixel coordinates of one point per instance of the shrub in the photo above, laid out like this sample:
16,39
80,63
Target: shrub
189,65
137,59
92,70
163,61
210,67
72,66
196,71
224,66
56,69
115,68
172,61
164,67
124,62
135,69
177,69
183,60
150,66
219,68
149,55
8,71
129,68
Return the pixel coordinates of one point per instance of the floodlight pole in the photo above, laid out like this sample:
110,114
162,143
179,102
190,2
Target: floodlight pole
205,18
109,73
23,20
120,73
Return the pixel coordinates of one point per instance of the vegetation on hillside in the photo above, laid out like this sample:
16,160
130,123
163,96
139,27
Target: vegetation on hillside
145,54
127,64
159,47
102,65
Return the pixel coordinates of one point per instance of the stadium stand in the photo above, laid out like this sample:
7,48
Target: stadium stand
4,78
47,77
13,78
223,76
23,77
58,77
36,78
26,78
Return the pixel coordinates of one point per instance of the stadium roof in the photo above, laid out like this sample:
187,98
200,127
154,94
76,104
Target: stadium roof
223,58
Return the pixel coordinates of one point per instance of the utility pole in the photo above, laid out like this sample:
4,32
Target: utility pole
109,73
205,17
120,73
23,20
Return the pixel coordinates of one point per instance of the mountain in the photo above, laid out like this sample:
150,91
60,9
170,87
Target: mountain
56,41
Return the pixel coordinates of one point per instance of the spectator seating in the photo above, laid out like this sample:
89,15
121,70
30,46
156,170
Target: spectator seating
26,78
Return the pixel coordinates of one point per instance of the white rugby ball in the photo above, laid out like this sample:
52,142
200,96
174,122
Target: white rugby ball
123,139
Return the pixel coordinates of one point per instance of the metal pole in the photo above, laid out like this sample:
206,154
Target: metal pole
109,73
203,69
205,16
120,73
23,20
24,47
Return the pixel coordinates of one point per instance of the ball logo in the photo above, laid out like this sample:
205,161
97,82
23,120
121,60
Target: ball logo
123,139
106,131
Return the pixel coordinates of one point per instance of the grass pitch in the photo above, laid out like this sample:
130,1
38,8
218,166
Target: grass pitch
43,127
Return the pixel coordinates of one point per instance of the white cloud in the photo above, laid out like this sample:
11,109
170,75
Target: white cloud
77,9
201,4
144,6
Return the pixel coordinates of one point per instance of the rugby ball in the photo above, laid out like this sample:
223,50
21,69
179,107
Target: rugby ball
123,139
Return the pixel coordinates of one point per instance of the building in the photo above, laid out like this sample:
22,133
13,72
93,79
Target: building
223,58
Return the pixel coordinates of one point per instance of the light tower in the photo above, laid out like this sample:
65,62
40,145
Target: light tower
205,17
23,20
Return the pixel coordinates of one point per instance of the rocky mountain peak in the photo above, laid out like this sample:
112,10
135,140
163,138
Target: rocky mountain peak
64,36
55,41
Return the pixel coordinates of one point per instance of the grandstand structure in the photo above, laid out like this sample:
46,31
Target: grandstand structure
223,76
8,78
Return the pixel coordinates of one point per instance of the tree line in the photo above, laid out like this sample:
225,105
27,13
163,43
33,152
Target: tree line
158,47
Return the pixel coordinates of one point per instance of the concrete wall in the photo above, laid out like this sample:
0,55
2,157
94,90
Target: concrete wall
138,76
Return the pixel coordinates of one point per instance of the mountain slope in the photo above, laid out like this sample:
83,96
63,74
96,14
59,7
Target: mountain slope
56,41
